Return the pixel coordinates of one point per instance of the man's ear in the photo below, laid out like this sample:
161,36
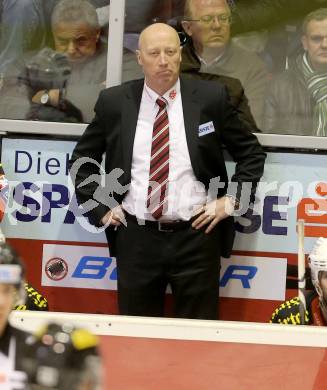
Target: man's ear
304,40
187,27
319,290
138,57
97,35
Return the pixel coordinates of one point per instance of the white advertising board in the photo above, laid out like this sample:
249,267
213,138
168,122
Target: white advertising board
44,206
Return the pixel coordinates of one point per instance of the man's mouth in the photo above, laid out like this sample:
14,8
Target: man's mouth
75,59
216,38
164,72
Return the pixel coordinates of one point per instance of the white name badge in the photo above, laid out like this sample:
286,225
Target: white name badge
206,128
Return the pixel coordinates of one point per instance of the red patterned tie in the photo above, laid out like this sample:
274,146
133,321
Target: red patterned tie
159,163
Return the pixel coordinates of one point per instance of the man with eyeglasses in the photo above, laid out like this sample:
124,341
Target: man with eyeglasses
49,83
210,50
82,59
296,102
52,84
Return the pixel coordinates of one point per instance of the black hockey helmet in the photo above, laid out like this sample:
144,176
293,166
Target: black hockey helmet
61,357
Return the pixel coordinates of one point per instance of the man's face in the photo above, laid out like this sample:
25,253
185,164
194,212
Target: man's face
315,43
8,295
77,40
212,25
159,55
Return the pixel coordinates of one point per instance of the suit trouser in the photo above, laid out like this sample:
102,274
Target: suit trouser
148,260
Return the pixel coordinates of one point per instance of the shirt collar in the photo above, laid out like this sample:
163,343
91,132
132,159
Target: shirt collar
204,62
170,95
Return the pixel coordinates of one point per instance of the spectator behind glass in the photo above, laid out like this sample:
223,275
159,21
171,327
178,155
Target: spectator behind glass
76,34
296,102
53,84
25,27
208,24
249,15
277,22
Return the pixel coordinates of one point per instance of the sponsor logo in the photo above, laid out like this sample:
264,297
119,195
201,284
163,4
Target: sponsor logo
313,211
78,267
250,277
56,268
172,94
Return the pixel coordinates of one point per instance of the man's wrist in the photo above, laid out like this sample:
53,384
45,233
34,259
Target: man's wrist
236,204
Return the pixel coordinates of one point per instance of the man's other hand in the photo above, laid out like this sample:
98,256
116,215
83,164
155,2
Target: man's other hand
53,97
114,217
213,212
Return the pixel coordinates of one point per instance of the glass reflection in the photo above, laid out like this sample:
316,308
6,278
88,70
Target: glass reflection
258,44
296,102
60,82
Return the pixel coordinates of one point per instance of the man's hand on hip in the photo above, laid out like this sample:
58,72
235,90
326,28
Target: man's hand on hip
213,212
114,217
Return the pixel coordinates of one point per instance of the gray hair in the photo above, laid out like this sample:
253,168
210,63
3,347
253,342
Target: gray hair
318,15
75,11
188,8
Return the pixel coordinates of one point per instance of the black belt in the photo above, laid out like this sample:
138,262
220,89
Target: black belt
167,227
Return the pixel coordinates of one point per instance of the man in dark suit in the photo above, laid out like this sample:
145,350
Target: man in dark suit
163,140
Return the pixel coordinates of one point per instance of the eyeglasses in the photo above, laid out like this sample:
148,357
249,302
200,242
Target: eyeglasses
207,19
317,38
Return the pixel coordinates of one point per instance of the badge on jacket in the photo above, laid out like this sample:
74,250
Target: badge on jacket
206,128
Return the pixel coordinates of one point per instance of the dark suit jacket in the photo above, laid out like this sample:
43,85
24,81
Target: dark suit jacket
113,130
21,345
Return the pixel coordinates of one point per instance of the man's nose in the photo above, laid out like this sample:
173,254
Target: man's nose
71,47
216,22
163,59
324,42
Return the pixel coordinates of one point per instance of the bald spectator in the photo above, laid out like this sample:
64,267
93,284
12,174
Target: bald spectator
210,50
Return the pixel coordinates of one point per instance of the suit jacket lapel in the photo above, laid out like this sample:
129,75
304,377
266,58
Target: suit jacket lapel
191,111
130,110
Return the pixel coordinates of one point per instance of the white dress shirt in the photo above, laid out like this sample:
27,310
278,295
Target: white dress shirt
185,192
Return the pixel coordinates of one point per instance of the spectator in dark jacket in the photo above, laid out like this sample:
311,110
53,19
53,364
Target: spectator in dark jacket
234,87
249,15
297,100
210,50
281,21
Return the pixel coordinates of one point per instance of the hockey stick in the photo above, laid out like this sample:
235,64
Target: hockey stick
301,269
